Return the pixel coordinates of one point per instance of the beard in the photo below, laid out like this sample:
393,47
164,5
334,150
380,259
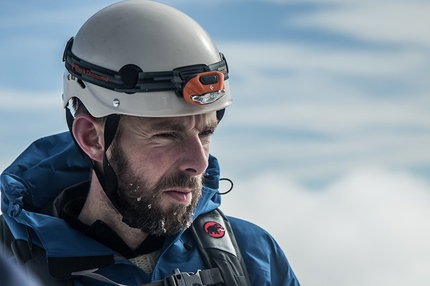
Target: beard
140,203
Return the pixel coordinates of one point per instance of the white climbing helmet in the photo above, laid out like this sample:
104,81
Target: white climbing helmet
145,58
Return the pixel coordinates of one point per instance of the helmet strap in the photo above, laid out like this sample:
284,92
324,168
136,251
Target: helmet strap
108,179
220,114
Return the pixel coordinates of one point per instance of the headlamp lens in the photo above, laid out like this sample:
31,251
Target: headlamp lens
208,97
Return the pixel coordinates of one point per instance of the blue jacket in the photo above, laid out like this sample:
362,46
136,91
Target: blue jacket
51,164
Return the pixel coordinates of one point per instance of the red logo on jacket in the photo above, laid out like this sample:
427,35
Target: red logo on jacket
214,229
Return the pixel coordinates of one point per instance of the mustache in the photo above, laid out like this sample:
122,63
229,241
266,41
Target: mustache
180,181
166,182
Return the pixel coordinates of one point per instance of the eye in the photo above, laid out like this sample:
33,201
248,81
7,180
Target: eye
208,132
165,135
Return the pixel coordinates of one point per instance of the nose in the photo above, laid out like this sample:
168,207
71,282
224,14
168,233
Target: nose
194,159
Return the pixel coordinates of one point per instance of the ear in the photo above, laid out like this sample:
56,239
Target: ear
89,135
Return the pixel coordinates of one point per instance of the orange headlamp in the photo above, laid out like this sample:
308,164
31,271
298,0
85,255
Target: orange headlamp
204,88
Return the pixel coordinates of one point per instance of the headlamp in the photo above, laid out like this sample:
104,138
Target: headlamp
198,84
204,88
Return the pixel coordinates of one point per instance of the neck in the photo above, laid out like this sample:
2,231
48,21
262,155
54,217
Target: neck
98,207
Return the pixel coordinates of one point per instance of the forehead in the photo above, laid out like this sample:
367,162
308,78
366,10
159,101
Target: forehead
177,123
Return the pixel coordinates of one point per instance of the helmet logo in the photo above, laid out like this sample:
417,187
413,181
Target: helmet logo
214,229
87,72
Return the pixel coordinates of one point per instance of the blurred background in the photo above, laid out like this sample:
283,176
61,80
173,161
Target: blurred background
327,141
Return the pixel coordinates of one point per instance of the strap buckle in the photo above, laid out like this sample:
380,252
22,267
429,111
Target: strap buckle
199,278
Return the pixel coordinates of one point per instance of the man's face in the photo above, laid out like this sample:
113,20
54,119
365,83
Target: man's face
159,163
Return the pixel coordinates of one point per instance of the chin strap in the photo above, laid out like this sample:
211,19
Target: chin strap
220,114
107,178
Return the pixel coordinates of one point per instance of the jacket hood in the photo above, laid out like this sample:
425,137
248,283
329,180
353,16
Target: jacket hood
41,173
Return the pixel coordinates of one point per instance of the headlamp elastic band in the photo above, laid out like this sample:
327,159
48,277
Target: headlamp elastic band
130,78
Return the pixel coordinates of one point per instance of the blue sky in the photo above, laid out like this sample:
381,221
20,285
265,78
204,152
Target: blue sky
327,139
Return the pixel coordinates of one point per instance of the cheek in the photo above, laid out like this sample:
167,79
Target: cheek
152,164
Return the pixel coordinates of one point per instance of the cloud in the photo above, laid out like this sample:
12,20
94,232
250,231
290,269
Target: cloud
320,72
25,117
24,101
369,227
323,111
391,21
30,16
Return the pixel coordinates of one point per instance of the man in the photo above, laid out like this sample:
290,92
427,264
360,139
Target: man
144,91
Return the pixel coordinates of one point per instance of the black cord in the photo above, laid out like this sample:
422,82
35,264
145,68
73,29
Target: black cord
231,186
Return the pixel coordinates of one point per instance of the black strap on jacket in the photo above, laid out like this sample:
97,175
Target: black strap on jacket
217,245
6,237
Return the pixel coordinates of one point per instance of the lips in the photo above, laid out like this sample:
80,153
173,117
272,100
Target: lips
180,196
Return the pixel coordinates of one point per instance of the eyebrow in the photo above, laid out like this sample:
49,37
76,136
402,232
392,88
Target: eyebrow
160,125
